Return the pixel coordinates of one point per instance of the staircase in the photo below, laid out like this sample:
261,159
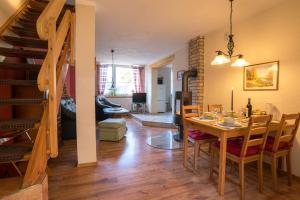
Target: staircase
41,34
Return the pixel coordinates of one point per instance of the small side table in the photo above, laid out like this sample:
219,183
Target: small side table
138,107
116,112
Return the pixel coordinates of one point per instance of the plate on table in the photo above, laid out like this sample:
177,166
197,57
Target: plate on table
206,119
231,125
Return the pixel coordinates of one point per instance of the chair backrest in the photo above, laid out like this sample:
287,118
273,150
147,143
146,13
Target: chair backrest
287,131
191,111
256,136
215,107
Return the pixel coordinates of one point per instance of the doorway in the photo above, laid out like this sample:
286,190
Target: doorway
164,89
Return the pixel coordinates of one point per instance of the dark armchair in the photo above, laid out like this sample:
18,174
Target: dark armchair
68,118
101,103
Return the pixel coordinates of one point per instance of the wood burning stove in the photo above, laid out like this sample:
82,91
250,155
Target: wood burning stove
183,97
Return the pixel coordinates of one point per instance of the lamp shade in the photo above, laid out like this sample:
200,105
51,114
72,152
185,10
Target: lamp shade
240,62
220,59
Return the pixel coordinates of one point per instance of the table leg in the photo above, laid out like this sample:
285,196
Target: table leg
222,163
185,144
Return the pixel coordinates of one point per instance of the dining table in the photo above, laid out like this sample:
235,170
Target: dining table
223,133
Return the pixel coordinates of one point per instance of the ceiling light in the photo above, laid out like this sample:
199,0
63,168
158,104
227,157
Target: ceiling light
240,62
223,58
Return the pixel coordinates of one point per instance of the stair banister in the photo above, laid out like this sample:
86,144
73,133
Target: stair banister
52,10
47,80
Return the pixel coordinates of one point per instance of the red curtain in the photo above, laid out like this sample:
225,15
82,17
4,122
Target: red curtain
138,78
69,86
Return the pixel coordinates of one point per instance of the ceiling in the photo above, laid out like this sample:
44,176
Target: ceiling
142,31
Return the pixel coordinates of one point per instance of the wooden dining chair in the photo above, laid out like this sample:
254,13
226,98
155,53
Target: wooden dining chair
213,107
246,150
281,144
196,137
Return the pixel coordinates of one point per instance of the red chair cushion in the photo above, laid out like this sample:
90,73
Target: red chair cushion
270,142
235,147
198,135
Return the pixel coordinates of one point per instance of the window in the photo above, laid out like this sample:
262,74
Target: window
122,77
124,80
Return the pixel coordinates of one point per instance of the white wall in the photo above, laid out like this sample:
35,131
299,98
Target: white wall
85,84
179,63
7,8
272,35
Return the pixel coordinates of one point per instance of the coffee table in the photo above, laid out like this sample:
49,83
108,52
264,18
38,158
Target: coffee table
116,112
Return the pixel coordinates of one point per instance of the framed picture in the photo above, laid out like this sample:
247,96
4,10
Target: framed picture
180,75
263,76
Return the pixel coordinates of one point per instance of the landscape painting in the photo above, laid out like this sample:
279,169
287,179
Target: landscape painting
263,76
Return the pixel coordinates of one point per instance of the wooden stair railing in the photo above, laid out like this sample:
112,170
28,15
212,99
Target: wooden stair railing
51,78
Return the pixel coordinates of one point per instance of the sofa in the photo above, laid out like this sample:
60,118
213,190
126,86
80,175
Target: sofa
101,103
68,118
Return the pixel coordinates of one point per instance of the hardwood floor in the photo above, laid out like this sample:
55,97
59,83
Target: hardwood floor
132,170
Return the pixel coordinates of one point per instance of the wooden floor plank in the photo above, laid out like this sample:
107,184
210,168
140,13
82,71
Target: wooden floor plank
133,170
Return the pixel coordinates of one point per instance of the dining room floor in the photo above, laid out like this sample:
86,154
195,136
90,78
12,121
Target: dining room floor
131,169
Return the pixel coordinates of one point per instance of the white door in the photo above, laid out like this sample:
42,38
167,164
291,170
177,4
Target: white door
161,106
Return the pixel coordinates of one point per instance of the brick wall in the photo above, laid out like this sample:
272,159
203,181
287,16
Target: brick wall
196,61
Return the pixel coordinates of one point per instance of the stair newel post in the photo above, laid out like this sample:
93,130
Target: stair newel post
52,87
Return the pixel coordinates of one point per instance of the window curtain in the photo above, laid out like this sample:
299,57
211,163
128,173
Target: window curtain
138,79
101,79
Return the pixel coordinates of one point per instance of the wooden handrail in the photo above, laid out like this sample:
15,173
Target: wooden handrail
38,160
64,26
54,72
12,18
52,11
47,78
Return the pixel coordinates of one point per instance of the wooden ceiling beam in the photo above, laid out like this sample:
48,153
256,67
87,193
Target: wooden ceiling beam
162,62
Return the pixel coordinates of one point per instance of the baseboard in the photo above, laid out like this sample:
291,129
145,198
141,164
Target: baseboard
91,164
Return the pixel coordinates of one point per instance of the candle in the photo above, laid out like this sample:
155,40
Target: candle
232,99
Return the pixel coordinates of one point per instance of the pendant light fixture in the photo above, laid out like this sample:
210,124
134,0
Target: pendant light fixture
223,58
113,68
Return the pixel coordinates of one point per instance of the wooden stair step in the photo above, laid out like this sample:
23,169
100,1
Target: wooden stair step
12,101
18,82
24,19
33,20
20,66
27,24
26,42
30,15
36,7
13,152
38,4
34,10
10,186
22,53
21,31
17,124
33,16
